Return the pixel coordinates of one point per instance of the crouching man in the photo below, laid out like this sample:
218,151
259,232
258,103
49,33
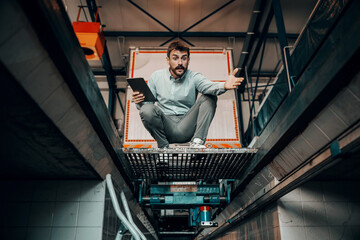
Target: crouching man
179,116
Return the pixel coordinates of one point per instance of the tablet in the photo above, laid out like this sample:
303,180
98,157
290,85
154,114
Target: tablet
139,84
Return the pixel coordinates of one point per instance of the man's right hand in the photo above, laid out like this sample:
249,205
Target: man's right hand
138,97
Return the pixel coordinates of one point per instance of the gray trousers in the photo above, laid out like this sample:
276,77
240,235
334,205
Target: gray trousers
167,129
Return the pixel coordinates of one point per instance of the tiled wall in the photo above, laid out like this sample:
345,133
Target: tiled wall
264,226
52,210
321,211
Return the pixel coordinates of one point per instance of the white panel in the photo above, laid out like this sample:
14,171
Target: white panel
224,124
136,129
215,65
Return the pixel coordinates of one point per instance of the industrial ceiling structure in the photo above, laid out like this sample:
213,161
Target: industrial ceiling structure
216,24
200,23
256,35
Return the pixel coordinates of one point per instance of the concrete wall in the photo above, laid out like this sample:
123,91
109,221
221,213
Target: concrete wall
52,210
321,210
318,210
264,226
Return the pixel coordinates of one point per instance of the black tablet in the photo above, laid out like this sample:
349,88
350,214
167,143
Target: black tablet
139,84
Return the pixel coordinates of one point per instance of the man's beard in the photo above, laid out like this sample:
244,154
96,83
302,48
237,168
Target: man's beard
179,67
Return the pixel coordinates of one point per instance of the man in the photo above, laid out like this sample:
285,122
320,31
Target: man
178,116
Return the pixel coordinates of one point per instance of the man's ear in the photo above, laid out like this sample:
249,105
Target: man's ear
168,60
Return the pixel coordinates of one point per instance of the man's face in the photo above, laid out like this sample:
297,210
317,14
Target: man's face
178,62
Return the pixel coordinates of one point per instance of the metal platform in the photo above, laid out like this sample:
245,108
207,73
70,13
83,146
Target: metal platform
185,164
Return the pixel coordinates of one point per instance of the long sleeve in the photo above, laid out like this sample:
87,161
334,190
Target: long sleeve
205,86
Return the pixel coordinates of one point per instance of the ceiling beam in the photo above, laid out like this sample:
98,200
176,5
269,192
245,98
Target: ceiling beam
190,34
151,16
206,17
122,72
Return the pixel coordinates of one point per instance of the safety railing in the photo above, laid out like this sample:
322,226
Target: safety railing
304,50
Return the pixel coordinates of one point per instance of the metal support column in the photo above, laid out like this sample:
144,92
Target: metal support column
260,40
250,35
249,41
111,79
105,59
285,55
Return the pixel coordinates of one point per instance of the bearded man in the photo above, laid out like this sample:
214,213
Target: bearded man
179,116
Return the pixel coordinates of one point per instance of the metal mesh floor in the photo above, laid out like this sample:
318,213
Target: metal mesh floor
186,164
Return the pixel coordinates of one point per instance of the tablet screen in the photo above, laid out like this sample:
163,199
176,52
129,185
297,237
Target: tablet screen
139,84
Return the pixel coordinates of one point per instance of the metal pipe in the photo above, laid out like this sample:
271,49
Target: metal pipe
268,82
191,34
282,38
177,233
270,79
287,67
257,78
250,110
118,212
120,103
249,81
128,214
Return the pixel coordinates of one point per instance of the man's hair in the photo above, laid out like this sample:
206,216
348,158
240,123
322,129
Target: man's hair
178,45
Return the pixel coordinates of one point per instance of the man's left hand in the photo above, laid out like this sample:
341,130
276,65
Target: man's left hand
233,82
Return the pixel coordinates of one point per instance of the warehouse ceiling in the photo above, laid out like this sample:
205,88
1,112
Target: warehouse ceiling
201,23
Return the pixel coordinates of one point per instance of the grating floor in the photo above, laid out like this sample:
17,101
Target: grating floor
185,163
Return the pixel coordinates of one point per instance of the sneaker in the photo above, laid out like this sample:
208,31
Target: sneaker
197,143
164,148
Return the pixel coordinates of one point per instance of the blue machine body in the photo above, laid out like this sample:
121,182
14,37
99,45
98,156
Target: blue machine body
197,197
184,196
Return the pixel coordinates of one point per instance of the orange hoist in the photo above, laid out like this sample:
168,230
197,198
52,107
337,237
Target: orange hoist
90,36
